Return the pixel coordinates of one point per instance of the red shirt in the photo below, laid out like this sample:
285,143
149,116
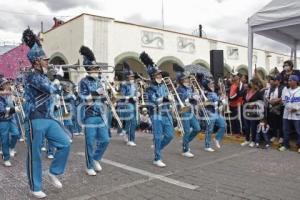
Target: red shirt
235,101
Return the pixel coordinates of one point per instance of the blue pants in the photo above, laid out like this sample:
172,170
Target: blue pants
8,128
287,124
191,128
130,122
163,133
109,121
37,130
95,132
215,120
264,135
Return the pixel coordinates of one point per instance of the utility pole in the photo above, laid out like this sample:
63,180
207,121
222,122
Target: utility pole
162,14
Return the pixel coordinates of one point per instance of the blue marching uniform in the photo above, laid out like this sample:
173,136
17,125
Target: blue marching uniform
161,117
189,121
7,127
94,119
215,119
129,91
40,124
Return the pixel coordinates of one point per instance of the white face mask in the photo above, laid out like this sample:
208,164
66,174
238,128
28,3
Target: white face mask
286,68
186,85
94,75
158,80
131,81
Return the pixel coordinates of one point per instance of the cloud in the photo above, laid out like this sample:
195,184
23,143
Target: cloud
57,5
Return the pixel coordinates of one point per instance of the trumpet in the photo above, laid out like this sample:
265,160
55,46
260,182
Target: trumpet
172,90
197,88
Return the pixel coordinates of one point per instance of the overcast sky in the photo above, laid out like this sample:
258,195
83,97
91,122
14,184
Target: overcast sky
221,19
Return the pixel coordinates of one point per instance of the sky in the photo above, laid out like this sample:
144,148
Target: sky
224,20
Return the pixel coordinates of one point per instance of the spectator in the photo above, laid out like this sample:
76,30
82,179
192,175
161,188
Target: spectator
262,130
145,122
288,69
291,115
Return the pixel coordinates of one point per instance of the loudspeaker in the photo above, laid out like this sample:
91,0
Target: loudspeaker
217,64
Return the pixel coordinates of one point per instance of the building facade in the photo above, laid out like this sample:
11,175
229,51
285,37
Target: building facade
114,42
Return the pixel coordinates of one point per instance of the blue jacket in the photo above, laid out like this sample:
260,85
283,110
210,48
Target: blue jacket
128,90
214,101
3,112
38,95
155,92
88,86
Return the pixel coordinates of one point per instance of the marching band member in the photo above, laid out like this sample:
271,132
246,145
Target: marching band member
189,121
215,118
159,110
130,93
7,123
40,121
91,92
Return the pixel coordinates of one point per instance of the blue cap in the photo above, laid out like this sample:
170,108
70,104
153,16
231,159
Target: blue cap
153,70
294,78
35,53
181,76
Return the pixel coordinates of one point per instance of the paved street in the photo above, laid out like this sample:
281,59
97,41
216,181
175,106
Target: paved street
234,173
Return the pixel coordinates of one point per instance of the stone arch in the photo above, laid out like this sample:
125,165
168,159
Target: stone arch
171,65
132,58
242,69
58,59
262,72
202,63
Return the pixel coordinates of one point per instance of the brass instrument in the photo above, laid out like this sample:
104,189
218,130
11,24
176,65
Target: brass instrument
111,104
170,86
226,110
197,88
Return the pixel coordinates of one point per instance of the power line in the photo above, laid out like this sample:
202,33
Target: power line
22,13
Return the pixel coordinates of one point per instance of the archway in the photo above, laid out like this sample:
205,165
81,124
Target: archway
227,70
170,64
132,58
242,69
59,59
202,63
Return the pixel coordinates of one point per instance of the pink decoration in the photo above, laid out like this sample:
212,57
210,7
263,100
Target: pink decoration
12,61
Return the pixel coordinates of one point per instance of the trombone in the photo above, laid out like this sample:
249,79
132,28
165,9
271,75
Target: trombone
197,88
169,85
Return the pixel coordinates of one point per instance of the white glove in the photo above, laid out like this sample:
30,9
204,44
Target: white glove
187,100
160,99
17,109
170,97
74,97
135,98
138,94
196,97
56,82
127,98
223,101
100,91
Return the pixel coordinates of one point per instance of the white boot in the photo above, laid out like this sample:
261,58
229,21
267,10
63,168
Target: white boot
38,194
54,180
217,143
12,152
159,163
91,172
97,166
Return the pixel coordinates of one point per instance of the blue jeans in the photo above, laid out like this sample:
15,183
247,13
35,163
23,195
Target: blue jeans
191,128
287,124
265,136
8,128
250,129
130,122
96,133
215,120
36,131
163,133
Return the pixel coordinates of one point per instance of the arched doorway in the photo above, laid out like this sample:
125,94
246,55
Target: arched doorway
134,62
202,63
59,59
227,70
171,65
242,69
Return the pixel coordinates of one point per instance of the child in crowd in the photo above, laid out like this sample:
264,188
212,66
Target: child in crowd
262,130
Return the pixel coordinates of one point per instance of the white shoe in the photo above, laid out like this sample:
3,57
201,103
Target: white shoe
21,140
81,133
50,156
282,148
43,149
39,194
7,163
257,145
252,144
130,143
245,143
280,141
209,149
159,163
152,146
12,152
55,182
76,134
299,150
91,172
97,166
188,154
217,143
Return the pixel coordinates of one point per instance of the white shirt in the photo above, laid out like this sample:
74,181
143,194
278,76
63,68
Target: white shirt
291,100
